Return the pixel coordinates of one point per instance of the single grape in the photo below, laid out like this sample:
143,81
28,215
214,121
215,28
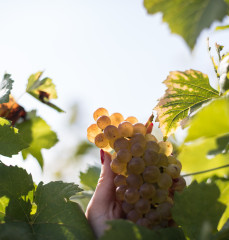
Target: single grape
113,156
116,119
119,180
117,166
136,165
139,128
132,195
151,174
133,215
134,180
178,184
101,141
173,170
99,112
152,145
132,119
138,138
121,143
103,121
178,163
126,129
172,160
160,196
164,210
127,207
92,131
166,147
137,149
111,132
143,222
150,157
164,181
120,192
142,205
124,155
150,137
162,160
147,190
153,216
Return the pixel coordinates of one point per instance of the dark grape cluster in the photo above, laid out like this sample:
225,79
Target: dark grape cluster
147,172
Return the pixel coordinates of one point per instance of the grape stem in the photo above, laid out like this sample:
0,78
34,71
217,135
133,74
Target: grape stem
209,170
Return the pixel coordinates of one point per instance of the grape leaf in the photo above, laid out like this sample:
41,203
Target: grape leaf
123,229
186,91
43,90
38,134
224,233
3,204
194,158
5,88
222,144
90,177
83,148
223,72
11,141
188,17
222,27
197,210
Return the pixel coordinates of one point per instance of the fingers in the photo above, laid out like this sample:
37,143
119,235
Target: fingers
149,128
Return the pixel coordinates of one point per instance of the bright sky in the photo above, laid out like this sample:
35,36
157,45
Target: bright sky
98,53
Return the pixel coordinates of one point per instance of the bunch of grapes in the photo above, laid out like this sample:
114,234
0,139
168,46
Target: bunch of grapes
147,172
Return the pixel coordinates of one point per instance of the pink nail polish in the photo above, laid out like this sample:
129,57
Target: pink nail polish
102,155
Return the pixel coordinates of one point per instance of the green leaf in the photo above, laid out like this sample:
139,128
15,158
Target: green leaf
11,141
222,146
5,88
90,177
83,148
38,134
123,230
186,91
224,233
223,72
3,204
194,159
188,17
211,121
197,210
43,90
222,27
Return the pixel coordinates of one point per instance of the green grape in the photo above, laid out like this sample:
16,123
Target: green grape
119,180
101,141
164,210
92,131
120,192
133,215
124,155
142,205
103,121
179,184
150,157
121,143
111,132
153,216
172,160
166,147
117,166
173,170
178,163
151,174
139,128
137,149
160,196
134,180
162,160
143,222
150,137
136,165
116,119
126,129
127,207
164,181
153,146
147,190
132,119
99,112
132,195
138,138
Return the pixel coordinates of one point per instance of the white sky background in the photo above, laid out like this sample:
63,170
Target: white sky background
98,53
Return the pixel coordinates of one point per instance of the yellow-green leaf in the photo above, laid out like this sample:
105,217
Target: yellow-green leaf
186,92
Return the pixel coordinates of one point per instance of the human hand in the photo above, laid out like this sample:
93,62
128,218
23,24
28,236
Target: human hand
103,205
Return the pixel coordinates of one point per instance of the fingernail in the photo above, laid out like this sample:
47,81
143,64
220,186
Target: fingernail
102,155
151,124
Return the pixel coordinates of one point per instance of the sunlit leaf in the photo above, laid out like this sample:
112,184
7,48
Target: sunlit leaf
201,210
5,88
186,92
3,204
224,233
188,17
222,144
222,27
90,177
